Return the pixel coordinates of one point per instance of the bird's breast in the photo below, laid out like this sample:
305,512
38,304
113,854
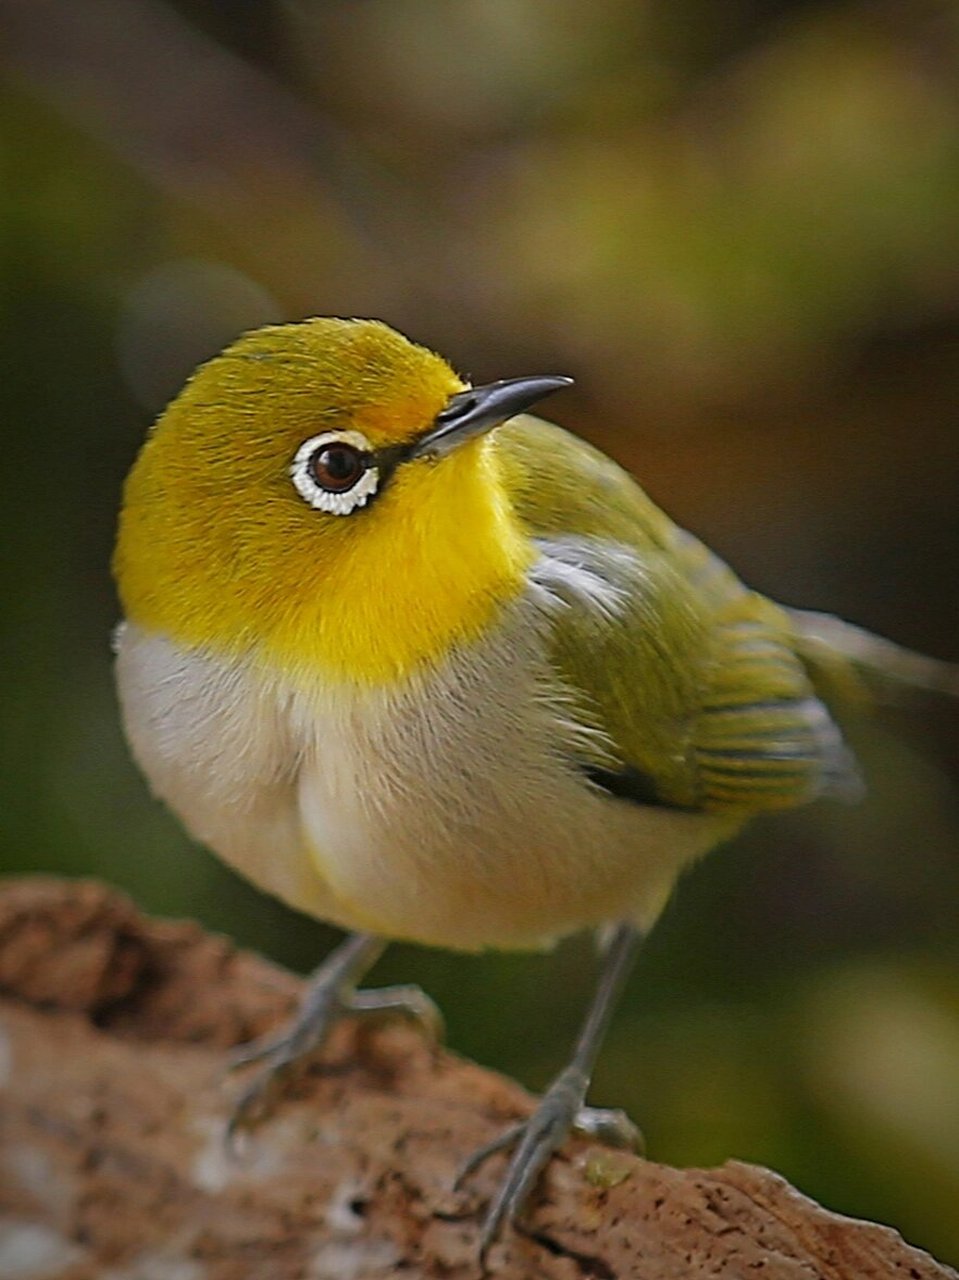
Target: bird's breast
447,809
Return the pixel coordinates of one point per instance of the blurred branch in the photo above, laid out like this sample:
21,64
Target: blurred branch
112,1033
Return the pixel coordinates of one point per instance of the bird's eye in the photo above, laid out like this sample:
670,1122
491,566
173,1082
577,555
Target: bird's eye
335,472
337,466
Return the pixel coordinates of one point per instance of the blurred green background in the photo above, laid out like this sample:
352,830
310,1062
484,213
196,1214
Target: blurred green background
737,225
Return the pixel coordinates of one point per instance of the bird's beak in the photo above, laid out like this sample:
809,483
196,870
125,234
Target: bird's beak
471,413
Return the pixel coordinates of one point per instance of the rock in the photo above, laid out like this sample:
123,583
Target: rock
113,1099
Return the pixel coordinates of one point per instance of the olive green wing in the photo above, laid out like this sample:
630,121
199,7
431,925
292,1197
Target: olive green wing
859,668
692,681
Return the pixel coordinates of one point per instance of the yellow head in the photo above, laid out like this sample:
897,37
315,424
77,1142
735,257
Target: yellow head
300,502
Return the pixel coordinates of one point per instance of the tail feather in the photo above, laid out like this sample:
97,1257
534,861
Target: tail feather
867,667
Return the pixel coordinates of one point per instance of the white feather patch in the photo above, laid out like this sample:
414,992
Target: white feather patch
590,572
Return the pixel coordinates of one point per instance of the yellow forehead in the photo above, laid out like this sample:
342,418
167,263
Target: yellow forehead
323,374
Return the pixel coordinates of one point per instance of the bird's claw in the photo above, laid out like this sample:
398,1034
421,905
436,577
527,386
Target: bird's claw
249,1108
255,1051
282,1054
322,1007
405,1001
502,1142
535,1141
612,1127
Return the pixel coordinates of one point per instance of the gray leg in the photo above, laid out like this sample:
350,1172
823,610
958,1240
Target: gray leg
331,994
548,1127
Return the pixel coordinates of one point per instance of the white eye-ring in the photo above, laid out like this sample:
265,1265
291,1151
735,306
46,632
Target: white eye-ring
334,472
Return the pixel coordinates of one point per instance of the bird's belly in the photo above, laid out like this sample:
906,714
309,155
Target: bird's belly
515,875
452,812
448,812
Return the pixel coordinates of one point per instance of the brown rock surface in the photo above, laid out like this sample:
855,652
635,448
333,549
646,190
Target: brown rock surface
112,1166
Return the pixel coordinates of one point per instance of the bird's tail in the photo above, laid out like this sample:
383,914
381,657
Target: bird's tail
859,666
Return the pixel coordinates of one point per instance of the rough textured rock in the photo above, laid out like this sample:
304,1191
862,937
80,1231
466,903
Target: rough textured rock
112,1165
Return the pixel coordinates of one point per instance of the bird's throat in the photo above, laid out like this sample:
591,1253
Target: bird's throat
433,577
366,603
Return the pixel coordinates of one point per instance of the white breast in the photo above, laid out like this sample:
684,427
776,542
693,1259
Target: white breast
449,811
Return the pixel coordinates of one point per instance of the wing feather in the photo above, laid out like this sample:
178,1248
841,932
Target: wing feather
692,682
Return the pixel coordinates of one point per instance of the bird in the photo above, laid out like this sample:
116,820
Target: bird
430,668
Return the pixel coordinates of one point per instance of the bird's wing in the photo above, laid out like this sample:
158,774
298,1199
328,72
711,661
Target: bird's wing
863,668
692,681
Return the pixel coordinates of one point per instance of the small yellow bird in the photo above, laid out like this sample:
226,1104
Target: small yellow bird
434,671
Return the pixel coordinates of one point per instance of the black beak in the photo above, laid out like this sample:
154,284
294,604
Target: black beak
472,412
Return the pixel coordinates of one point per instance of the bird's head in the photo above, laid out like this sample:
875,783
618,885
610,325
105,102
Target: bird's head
322,495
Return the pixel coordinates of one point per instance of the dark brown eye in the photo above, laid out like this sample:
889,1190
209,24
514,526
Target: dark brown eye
335,472
337,466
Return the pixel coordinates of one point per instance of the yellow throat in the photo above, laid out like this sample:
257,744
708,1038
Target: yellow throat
218,551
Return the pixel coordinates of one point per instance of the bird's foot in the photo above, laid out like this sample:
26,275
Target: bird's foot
536,1140
330,996
321,1008
612,1127
405,1001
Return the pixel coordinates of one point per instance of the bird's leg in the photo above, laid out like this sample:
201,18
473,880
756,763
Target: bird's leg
331,994
561,1107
